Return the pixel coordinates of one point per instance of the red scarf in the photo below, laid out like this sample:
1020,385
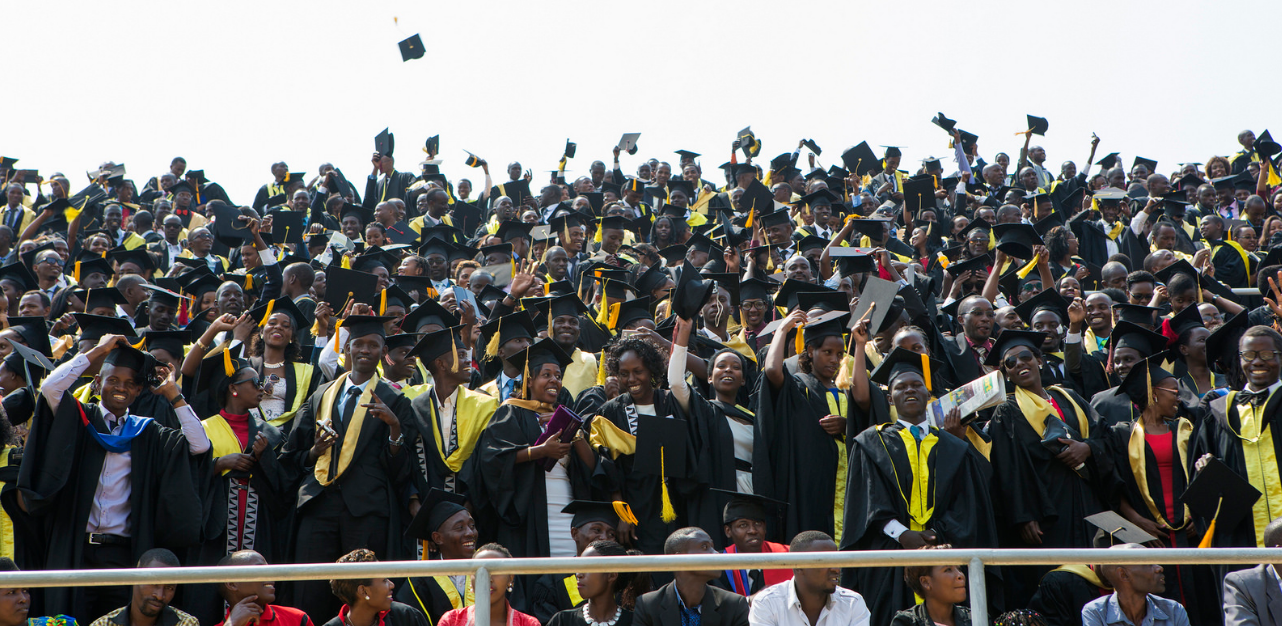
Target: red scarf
739,578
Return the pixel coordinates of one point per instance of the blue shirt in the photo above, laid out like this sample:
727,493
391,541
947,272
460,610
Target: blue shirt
689,617
1161,612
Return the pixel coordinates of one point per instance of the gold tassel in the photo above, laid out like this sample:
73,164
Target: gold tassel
270,304
844,377
316,329
1028,269
1209,537
382,304
925,371
249,282
1271,174
336,327
600,369
547,289
454,349
346,263
624,512
525,376
227,365
800,345
140,344
613,318
492,346
748,223
77,275
667,513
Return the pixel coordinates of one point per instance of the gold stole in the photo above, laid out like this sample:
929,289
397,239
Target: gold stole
221,437
1090,341
352,433
1035,410
984,447
604,434
1261,463
1246,260
1118,227
6,524
572,589
1135,453
1085,572
839,406
478,405
921,507
302,382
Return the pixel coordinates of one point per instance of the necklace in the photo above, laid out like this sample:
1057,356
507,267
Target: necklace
587,617
273,366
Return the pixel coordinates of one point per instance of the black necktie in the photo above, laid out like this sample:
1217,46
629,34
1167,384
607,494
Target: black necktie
758,580
349,404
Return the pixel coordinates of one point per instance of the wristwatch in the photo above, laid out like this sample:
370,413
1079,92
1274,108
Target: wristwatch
398,441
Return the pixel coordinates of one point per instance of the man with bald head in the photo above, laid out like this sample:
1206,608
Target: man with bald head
252,602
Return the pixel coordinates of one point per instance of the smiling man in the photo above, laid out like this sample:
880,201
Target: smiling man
743,521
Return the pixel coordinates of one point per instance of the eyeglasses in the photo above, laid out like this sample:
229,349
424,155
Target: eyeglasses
202,236
1025,356
1267,356
51,261
753,305
1174,391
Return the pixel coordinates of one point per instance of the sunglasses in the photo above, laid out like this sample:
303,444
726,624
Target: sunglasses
1025,356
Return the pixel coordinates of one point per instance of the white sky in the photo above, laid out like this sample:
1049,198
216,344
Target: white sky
234,86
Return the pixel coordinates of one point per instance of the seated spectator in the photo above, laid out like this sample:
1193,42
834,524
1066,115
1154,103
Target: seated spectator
501,612
600,591
15,604
943,592
1252,596
812,597
368,601
251,602
149,605
691,589
1136,600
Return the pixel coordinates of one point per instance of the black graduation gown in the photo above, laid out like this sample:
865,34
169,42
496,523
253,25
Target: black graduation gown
425,595
1193,586
793,459
1037,487
59,476
592,337
716,467
1216,435
260,529
1229,268
1113,409
643,492
429,458
1061,595
550,594
1092,241
880,478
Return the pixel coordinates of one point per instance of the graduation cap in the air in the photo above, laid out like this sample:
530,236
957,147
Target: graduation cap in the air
628,143
1220,495
287,227
1150,164
344,285
814,147
691,292
1008,339
943,122
661,447
1037,125
861,160
1017,239
411,48
438,507
851,261
1109,161
385,143
880,296
874,229
748,142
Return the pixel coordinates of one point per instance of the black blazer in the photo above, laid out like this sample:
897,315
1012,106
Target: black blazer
719,608
374,480
962,358
919,616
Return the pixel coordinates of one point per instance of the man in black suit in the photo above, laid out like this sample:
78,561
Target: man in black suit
1252,597
712,606
968,349
353,473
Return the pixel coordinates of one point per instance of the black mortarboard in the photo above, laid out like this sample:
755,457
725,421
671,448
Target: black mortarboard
633,310
969,265
513,229
1186,320
661,447
892,152
1147,163
28,362
674,253
628,143
350,208
852,261
1220,494
137,256
287,227
861,159
587,511
179,187
748,142
757,197
94,327
1119,529
919,193
1140,381
542,352
776,218
433,345
821,197
171,341
160,294
34,332
568,304
943,122
108,297
1136,313
756,289
701,243
1008,339
1017,239
651,279
1128,335
1226,182
684,185
385,143
614,282
691,292
826,300
430,312
1188,183
880,293
1037,125
811,242
342,285
373,257
363,325
20,274
127,356
29,257
283,304
438,507
1045,300
688,154
411,48
902,361
1109,161
787,294
747,506
781,162
874,229
1222,345
830,324
509,327
228,227
401,340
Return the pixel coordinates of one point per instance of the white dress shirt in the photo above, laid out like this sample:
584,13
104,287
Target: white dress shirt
778,605
446,417
109,513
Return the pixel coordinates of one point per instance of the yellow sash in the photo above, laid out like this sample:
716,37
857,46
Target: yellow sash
920,505
738,344
221,437
6,524
1246,260
1085,572
1035,410
353,431
447,585
839,406
1117,230
1261,464
985,447
870,352
478,409
1135,453
1090,341
572,589
604,434
302,382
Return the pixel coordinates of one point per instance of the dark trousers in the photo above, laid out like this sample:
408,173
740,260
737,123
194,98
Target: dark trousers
326,531
93,602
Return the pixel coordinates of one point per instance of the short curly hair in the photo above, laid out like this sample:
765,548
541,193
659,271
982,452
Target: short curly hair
345,590
913,573
653,357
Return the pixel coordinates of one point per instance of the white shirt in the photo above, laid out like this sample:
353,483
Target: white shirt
109,513
778,605
173,250
1110,244
446,416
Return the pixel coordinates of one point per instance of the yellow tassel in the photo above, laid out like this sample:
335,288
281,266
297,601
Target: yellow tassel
270,304
525,376
547,289
347,262
1028,269
800,345
316,329
667,513
748,223
336,327
613,318
492,346
227,365
624,512
140,344
1209,537
603,310
454,349
597,237
249,282
844,375
600,369
925,371
77,276
382,304
514,268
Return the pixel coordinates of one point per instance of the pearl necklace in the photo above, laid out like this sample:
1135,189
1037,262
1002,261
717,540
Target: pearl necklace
587,617
273,366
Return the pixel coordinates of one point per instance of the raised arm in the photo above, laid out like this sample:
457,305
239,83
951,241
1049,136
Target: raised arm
677,363
774,370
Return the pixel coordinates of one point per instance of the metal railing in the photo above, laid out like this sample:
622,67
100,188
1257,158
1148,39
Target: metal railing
975,560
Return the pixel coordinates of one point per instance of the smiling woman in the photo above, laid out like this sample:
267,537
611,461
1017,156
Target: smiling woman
369,602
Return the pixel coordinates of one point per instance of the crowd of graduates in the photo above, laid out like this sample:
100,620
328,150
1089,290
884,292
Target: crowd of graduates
664,359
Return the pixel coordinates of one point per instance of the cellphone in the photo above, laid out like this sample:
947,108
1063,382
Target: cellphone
328,429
